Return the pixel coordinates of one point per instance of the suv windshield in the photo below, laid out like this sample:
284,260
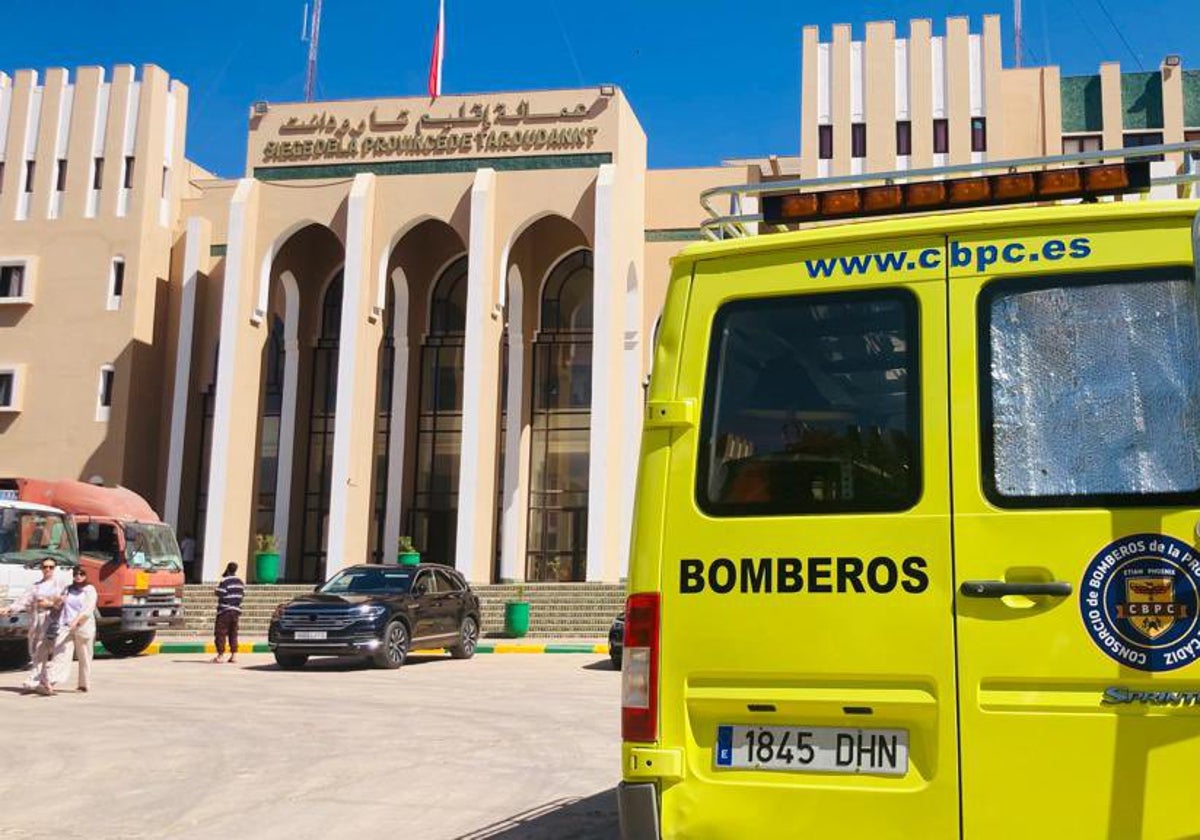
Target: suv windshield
28,535
370,582
152,546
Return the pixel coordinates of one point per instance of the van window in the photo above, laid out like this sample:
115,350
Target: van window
811,406
1094,390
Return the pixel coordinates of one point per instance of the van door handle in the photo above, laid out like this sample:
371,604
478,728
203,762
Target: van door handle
1001,589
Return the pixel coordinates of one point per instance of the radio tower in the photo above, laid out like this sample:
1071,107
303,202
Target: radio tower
314,42
1018,46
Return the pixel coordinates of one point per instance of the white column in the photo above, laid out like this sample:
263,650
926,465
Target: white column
195,255
516,439
348,484
631,410
395,472
238,257
476,483
605,433
287,413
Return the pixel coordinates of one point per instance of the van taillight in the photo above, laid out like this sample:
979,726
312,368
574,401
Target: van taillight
639,668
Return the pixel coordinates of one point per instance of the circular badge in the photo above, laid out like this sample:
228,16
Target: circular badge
1139,601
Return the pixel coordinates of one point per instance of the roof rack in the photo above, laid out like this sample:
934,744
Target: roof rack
737,224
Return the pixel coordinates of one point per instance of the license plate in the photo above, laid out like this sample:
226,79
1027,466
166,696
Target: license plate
310,635
813,749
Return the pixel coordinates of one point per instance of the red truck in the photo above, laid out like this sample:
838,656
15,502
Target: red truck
131,556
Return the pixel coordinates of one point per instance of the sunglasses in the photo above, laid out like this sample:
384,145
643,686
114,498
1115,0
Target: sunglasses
79,574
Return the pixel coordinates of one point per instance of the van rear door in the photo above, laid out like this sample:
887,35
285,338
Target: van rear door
1076,434
807,645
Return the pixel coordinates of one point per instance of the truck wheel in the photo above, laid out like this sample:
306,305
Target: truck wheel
15,656
127,644
290,660
468,639
394,648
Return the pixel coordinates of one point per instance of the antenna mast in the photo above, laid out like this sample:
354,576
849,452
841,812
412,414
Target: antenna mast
1018,39
314,42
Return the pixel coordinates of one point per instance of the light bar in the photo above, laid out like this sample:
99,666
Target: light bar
1088,183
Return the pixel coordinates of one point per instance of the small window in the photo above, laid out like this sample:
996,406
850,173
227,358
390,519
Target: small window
1136,139
903,138
166,182
858,140
448,582
1083,143
128,180
30,169
1188,136
1067,426
97,173
941,137
1,176
99,540
812,406
116,283
60,180
825,142
104,402
8,388
12,281
978,134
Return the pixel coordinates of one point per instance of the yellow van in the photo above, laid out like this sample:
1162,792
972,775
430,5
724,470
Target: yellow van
915,550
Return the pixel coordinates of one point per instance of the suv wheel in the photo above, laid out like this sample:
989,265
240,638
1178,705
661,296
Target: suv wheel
290,660
468,639
394,648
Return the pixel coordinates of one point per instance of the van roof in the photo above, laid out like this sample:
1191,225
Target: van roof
9,504
898,227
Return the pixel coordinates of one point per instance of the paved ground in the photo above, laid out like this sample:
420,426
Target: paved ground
495,747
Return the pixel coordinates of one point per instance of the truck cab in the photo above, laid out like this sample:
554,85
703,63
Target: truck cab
28,533
131,556
915,548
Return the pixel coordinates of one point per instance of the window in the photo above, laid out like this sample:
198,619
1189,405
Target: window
1065,425
1,176
978,134
812,406
825,142
1083,143
116,283
104,401
97,173
8,388
30,168
941,137
60,180
1137,139
128,180
166,182
858,140
100,541
12,281
1188,137
903,138
448,581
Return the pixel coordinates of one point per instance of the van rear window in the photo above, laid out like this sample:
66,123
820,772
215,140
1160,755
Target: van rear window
812,406
1094,394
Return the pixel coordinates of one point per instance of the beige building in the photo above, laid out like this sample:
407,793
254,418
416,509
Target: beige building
936,100
428,319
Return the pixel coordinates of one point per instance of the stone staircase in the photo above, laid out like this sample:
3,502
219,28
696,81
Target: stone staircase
558,610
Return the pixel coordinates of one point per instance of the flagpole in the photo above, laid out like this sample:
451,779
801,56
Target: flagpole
439,49
314,41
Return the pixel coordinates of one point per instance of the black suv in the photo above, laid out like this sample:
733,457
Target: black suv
381,612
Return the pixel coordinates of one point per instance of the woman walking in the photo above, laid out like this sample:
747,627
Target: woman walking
41,600
229,609
76,630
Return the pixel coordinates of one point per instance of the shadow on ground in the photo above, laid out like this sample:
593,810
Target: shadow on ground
591,818
600,665
338,664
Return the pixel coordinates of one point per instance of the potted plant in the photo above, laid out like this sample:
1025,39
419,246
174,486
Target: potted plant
266,559
407,553
516,615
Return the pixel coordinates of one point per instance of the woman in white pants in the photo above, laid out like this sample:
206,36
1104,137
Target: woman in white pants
40,600
76,630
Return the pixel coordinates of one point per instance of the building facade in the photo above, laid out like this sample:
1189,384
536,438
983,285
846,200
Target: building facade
415,318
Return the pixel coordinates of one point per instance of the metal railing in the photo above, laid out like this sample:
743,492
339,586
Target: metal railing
720,225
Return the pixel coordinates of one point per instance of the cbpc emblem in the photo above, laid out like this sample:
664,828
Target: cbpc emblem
1140,598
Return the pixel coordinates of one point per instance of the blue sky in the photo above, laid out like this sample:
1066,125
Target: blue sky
709,80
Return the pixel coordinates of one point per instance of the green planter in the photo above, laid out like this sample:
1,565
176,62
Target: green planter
408,558
266,567
516,618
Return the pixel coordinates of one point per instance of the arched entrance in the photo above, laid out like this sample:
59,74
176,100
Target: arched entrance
561,424
433,516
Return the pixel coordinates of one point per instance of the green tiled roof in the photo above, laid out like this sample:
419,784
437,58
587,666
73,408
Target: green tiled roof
1191,98
1082,109
1141,100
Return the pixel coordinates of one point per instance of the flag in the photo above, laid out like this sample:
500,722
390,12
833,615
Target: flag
435,60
